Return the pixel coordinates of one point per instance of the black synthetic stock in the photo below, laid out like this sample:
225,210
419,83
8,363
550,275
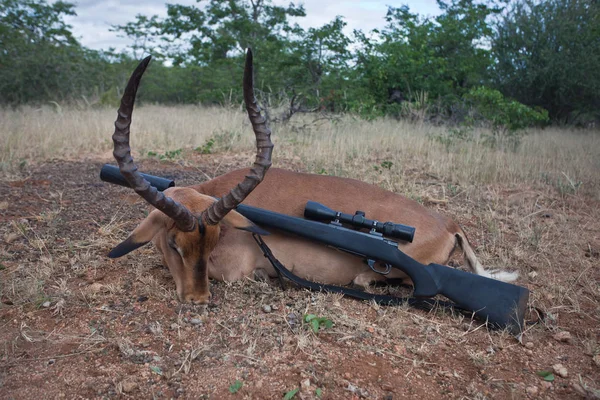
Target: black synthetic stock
502,304
319,212
110,173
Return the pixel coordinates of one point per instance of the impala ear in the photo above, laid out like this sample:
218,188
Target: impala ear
125,247
141,235
238,221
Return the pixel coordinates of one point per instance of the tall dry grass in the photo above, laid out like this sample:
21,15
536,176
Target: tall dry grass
566,159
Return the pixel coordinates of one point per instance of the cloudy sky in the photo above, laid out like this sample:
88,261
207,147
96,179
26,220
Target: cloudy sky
94,17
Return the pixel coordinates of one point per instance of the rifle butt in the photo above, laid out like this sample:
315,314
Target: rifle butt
501,304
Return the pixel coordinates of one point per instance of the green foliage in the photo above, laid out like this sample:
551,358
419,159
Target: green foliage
505,115
317,323
507,118
35,43
542,54
548,376
206,148
441,56
291,394
236,386
168,155
157,370
384,165
548,53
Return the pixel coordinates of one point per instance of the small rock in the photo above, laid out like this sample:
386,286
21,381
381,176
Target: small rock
174,326
563,336
292,320
305,385
596,360
129,386
51,361
532,390
546,385
196,321
11,237
532,274
266,308
560,370
529,345
357,391
46,304
275,307
529,352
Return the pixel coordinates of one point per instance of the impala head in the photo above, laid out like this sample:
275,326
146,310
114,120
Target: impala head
185,225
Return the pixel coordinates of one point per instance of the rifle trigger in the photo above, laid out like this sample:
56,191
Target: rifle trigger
371,264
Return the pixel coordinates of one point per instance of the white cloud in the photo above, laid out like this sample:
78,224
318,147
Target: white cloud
94,18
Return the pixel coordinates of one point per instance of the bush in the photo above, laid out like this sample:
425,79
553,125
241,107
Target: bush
505,117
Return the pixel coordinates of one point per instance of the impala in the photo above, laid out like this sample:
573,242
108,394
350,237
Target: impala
201,237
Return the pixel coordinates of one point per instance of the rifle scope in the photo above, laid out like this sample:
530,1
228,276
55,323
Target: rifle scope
319,212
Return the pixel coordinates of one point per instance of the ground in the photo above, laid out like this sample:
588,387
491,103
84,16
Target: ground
75,324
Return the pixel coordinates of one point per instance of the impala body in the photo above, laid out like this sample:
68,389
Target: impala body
199,236
236,255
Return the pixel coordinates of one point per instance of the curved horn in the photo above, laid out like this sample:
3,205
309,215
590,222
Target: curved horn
122,152
264,149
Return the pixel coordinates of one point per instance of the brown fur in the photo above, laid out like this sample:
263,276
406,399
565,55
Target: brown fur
231,254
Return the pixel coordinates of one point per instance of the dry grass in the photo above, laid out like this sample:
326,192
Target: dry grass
569,160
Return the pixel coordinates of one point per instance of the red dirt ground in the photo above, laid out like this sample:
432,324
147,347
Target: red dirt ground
74,324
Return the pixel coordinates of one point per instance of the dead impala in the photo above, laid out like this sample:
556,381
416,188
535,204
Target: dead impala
201,237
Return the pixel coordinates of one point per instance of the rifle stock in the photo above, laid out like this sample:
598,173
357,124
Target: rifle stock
502,304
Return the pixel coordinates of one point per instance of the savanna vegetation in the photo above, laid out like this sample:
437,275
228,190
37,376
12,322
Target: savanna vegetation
530,61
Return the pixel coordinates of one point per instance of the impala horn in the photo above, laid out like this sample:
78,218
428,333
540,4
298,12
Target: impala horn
264,150
183,218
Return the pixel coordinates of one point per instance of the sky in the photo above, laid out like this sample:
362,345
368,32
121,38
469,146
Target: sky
94,17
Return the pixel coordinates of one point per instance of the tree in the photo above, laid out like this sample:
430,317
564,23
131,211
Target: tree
36,50
212,39
442,56
547,54
144,32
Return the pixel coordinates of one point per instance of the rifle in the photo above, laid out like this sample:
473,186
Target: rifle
501,304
